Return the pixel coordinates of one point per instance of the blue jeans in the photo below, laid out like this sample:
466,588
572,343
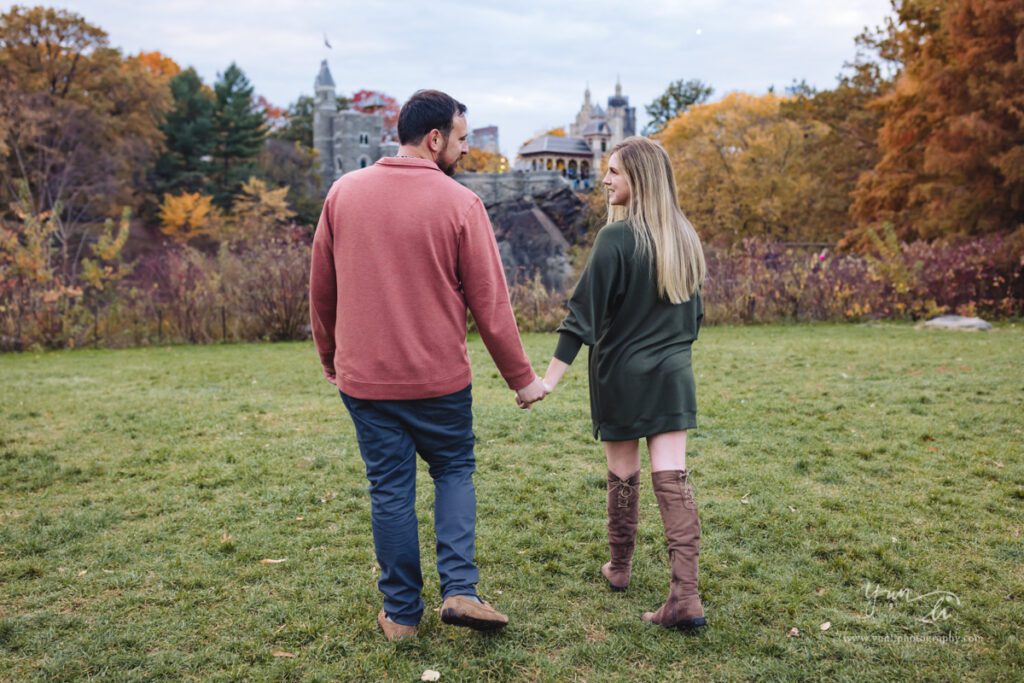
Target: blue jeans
390,433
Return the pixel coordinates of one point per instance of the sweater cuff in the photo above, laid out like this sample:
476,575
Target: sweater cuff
521,381
567,348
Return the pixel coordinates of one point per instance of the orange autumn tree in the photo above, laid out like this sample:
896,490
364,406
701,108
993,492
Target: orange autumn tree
952,138
159,65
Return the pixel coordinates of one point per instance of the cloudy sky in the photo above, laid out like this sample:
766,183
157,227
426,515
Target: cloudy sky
520,65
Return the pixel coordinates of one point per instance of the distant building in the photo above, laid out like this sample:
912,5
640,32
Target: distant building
578,156
485,139
346,140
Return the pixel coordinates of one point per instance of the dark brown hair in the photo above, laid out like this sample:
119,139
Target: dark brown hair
425,111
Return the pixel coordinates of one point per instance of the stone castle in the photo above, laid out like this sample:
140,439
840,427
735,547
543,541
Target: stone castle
578,156
346,139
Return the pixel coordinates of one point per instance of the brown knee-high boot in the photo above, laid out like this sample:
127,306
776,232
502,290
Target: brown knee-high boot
682,530
623,515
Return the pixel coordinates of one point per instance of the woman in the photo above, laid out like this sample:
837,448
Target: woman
638,307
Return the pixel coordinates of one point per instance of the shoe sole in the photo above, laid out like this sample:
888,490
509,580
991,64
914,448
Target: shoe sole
690,624
687,625
452,619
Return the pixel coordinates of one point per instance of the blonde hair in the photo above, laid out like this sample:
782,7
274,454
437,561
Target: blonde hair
663,234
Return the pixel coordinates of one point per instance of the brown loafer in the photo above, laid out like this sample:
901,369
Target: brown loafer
462,610
392,630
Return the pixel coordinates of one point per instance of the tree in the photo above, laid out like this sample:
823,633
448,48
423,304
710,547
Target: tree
159,65
80,119
298,125
189,215
293,165
745,169
260,215
847,149
952,138
189,139
481,161
677,98
239,130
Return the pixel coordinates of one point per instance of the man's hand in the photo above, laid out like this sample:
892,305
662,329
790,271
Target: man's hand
531,393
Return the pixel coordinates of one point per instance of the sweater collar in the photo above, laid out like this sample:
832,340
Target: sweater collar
407,162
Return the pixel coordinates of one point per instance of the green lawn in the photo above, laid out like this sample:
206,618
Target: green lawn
141,489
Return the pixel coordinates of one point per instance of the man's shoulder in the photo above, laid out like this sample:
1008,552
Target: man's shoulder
458,192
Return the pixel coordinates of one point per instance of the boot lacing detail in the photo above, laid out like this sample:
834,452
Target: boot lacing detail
686,485
625,491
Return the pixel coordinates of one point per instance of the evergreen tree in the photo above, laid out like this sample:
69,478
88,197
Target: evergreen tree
239,131
299,126
188,132
678,97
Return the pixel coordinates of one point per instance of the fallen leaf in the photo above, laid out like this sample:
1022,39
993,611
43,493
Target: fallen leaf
299,519
270,561
226,537
826,626
1016,532
792,509
83,572
793,633
820,590
431,675
744,500
282,653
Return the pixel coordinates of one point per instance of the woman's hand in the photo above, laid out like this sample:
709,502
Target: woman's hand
556,369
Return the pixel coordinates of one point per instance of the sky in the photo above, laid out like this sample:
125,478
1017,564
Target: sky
520,65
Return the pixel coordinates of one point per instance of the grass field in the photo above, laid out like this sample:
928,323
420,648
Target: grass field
870,477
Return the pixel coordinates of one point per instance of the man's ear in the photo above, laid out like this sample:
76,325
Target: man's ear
435,141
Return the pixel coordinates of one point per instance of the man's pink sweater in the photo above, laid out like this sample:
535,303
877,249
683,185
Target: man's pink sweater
400,252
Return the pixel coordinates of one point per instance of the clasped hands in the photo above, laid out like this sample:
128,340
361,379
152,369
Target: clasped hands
539,388
531,393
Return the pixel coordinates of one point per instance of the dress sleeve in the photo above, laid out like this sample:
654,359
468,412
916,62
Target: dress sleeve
597,297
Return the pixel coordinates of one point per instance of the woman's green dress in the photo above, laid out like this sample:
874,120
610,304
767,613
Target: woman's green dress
641,379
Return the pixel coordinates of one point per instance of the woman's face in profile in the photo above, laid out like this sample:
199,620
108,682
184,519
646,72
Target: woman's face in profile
615,182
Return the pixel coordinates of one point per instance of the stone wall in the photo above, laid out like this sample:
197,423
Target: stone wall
495,188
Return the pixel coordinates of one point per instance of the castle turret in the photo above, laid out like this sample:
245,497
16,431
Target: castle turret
621,116
325,107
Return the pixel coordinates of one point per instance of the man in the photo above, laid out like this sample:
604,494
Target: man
400,252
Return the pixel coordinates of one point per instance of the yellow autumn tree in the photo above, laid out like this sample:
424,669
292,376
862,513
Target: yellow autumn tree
483,161
188,215
742,170
104,267
259,214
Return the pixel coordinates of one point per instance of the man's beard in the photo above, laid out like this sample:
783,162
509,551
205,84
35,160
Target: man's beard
448,169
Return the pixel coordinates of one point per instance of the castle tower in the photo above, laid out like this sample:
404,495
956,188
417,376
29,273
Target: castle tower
325,109
621,116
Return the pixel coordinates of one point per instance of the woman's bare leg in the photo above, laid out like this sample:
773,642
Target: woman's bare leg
623,457
668,451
